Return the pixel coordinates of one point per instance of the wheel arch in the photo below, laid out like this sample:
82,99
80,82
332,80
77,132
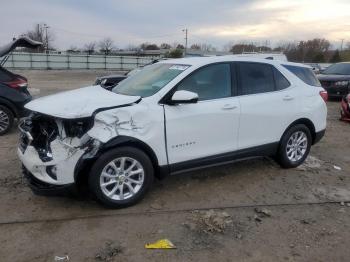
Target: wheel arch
9,105
308,123
84,165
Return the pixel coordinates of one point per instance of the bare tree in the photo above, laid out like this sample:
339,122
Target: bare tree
227,47
106,45
196,47
165,46
207,47
132,47
90,48
73,49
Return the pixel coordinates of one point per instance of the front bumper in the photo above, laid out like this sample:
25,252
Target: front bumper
42,188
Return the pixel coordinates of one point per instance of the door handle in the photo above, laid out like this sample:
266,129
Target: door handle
288,98
229,107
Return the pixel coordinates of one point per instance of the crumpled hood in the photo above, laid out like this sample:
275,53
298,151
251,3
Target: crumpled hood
79,103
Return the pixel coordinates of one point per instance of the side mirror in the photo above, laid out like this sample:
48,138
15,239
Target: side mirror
184,97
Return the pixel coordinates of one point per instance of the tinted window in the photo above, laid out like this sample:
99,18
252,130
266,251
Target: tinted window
210,82
338,69
305,74
280,80
256,78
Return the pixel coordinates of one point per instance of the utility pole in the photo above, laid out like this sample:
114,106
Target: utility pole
341,45
186,39
47,38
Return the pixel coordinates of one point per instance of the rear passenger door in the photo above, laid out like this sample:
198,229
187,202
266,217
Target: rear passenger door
268,104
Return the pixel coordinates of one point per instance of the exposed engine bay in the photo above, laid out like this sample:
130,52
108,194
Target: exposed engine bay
55,145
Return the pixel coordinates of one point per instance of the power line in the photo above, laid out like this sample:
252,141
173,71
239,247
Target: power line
186,38
102,36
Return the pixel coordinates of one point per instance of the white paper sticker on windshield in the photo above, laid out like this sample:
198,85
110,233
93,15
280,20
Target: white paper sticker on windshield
179,67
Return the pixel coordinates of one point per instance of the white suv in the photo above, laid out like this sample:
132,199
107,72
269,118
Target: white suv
172,116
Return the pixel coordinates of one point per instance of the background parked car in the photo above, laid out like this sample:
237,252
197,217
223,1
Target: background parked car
13,88
108,82
335,79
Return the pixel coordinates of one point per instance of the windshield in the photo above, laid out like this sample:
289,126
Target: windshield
149,80
338,69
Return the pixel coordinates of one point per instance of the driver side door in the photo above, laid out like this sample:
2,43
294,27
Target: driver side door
209,127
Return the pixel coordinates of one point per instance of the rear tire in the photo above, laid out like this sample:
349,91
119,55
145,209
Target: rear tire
121,177
6,120
294,146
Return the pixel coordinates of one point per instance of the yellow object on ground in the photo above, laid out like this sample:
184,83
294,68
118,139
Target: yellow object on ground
161,244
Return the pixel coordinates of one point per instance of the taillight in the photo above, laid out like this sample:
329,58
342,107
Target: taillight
17,84
324,95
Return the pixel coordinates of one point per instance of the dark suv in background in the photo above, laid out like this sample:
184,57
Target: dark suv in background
336,79
13,88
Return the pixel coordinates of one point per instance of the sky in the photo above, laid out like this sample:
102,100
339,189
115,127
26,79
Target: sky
131,22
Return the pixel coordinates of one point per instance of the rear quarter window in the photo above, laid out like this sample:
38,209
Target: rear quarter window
304,74
280,81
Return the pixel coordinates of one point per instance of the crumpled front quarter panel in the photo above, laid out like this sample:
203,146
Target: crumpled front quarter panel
141,121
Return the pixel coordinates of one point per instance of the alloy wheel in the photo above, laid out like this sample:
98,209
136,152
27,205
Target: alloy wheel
122,178
4,120
296,146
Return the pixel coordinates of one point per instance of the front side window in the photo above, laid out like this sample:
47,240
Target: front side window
255,78
149,80
209,82
304,74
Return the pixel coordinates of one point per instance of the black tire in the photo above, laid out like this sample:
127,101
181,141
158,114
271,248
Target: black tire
282,157
8,113
104,160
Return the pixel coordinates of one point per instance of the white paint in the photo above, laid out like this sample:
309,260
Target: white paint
64,157
183,95
202,129
78,103
192,130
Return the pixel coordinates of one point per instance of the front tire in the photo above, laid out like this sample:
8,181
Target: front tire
121,177
6,120
294,146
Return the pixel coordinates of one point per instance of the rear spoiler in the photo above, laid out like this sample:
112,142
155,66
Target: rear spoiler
20,42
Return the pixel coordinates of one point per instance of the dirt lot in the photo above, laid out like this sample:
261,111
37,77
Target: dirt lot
247,211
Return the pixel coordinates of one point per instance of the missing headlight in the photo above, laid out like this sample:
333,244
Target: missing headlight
77,128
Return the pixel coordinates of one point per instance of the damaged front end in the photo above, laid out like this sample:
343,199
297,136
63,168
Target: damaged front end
50,148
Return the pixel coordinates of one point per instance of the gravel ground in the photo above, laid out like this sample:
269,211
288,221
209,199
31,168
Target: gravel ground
248,211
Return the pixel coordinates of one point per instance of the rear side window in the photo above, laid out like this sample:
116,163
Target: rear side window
304,74
255,78
280,80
